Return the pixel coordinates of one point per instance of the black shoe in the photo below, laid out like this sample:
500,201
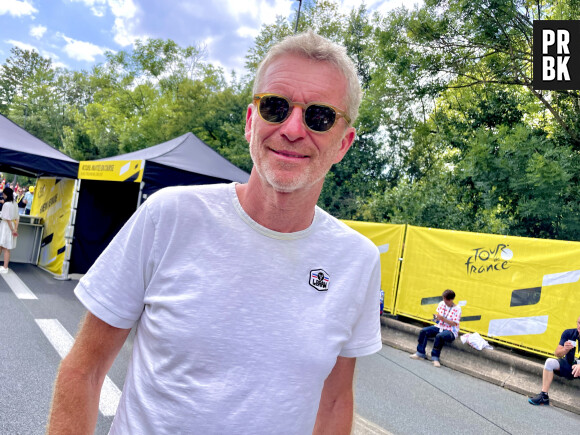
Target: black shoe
540,399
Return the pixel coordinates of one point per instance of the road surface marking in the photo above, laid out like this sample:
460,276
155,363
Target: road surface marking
62,341
18,287
365,427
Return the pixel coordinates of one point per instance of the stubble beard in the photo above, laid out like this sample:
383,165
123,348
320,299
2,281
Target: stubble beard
301,180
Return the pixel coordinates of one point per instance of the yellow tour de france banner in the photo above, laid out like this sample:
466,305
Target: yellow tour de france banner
520,291
112,170
389,240
52,201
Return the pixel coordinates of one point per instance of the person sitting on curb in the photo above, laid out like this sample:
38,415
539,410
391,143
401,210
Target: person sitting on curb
445,329
564,366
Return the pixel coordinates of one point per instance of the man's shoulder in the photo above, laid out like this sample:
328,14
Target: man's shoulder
184,194
570,334
341,232
177,204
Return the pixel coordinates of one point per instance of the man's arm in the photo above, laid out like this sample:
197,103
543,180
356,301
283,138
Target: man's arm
561,351
335,412
75,402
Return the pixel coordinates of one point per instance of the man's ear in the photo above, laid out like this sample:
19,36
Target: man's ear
345,143
249,114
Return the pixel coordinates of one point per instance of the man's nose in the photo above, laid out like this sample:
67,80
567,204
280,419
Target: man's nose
293,127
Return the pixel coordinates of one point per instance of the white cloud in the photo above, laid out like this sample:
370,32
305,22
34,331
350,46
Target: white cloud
119,8
123,8
51,55
245,32
37,31
80,50
263,10
125,34
22,45
98,7
16,8
56,63
126,21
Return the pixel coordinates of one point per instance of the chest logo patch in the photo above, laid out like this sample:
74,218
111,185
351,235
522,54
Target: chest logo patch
319,279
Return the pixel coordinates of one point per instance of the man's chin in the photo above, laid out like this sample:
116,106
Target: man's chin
285,187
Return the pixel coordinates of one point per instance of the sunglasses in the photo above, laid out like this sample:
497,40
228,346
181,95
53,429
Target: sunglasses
318,117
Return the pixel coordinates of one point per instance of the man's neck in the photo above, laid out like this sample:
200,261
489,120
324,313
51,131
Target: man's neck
285,212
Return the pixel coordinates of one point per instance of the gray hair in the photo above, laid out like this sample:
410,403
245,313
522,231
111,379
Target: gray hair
312,46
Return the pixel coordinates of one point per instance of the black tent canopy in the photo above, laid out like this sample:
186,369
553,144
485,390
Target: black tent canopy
21,153
104,205
184,160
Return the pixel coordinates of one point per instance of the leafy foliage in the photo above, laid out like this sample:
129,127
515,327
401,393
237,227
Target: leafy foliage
450,133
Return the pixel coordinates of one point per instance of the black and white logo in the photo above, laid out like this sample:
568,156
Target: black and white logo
556,55
319,279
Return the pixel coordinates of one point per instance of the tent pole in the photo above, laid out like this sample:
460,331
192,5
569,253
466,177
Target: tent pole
140,197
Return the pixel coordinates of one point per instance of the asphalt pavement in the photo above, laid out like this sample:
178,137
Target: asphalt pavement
394,394
405,396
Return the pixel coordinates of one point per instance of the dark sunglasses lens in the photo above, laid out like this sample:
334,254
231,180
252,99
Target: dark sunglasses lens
319,118
274,109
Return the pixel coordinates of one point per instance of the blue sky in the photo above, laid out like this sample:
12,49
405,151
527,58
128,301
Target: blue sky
75,34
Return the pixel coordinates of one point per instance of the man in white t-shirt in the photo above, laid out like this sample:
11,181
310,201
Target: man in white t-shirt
250,303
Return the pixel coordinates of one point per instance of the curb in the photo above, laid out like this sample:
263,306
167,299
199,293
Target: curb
498,366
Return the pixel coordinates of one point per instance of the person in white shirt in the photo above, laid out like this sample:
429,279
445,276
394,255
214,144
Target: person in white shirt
250,303
8,227
445,330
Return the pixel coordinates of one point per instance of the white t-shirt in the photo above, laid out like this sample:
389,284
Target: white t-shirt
238,326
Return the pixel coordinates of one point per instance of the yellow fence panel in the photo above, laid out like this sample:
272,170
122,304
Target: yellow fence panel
52,201
520,291
389,240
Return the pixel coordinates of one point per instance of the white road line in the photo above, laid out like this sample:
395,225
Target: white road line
365,427
62,341
18,287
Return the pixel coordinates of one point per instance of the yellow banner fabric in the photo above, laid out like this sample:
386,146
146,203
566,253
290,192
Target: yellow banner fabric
389,240
112,170
520,291
52,201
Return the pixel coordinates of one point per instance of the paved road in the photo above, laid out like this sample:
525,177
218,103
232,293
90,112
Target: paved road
405,396
394,394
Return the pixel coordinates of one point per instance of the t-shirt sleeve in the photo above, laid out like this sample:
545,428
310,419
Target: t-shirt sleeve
366,334
565,337
114,287
5,213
